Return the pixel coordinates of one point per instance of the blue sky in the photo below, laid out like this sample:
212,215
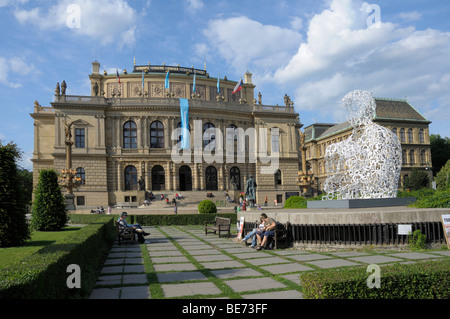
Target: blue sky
315,51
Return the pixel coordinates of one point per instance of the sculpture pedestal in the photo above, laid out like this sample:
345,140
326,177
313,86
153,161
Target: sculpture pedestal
70,201
361,203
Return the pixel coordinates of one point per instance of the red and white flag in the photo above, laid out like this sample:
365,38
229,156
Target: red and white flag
238,87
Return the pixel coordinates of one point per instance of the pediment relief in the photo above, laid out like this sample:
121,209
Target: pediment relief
81,123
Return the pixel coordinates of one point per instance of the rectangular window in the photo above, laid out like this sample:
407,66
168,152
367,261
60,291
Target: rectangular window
80,138
81,201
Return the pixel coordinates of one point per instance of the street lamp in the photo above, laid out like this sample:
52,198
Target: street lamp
68,178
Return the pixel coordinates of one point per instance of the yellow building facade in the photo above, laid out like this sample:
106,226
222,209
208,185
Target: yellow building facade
411,128
126,136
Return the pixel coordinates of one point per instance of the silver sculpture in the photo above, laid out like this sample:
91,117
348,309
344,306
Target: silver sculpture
368,163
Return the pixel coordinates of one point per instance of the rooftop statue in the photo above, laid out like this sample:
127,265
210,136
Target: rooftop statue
368,163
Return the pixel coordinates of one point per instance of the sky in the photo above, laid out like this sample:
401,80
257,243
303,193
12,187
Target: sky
316,51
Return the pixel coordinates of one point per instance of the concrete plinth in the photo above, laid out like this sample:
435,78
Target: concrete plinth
361,203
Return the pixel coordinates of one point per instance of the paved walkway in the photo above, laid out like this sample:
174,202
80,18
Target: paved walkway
181,262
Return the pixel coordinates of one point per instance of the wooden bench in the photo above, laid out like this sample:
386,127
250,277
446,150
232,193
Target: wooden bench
220,224
281,238
122,235
127,205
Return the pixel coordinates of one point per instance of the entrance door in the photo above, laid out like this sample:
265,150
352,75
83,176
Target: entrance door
211,178
185,178
158,178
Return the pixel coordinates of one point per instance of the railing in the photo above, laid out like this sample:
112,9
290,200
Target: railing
363,234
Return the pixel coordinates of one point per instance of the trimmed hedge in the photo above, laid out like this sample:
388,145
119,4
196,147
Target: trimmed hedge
295,202
184,219
43,275
207,207
420,280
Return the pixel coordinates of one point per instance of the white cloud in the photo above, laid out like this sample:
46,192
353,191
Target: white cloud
15,67
410,16
106,20
194,5
341,53
241,41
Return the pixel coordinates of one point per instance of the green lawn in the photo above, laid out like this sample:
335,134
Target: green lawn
38,240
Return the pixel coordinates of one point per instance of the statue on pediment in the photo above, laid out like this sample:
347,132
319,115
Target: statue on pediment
57,89
63,87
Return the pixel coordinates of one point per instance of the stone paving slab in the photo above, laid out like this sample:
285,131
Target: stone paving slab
308,257
204,252
181,276
174,267
165,253
236,272
190,289
134,268
266,261
253,284
139,292
165,260
414,255
348,254
285,294
105,293
286,268
378,259
134,279
332,263
222,264
212,258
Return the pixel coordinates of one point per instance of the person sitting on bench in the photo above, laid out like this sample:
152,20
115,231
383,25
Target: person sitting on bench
135,227
268,231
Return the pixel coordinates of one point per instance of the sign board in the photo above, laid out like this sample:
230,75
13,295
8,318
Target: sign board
241,229
404,229
446,225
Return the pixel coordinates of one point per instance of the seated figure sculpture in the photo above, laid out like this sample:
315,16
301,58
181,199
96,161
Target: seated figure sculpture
368,163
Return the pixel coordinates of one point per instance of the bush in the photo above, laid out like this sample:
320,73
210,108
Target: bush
442,177
295,202
421,280
13,224
43,275
207,207
417,240
416,180
49,207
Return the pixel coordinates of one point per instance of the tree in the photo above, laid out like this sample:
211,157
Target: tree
443,176
13,224
416,180
49,207
440,152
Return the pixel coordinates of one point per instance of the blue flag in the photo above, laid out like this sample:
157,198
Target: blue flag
193,86
184,109
218,84
166,84
142,81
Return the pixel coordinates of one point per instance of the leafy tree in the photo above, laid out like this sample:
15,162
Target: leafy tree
440,152
295,202
416,180
13,224
443,176
49,207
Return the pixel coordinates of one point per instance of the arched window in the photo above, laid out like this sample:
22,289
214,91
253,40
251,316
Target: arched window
231,134
402,135
158,178
277,177
404,159
82,175
421,136
211,178
156,135
235,178
180,136
209,135
131,178
394,130
411,156
410,136
275,138
422,157
129,135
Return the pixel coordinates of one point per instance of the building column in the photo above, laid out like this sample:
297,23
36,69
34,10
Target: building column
119,176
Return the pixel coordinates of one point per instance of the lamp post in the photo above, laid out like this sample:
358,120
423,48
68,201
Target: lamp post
68,178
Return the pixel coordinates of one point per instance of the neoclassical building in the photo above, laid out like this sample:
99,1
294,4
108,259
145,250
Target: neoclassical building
404,120
127,136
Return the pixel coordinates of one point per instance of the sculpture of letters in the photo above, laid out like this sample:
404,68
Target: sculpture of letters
368,163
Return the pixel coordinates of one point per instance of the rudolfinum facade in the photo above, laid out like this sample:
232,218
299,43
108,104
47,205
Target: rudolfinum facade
130,136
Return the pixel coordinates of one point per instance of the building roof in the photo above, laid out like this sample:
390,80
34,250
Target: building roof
386,109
